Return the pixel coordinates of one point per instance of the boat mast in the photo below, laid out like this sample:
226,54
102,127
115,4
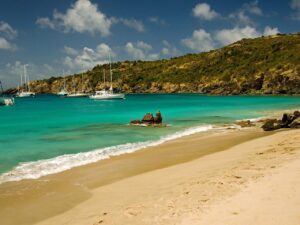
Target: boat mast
111,87
21,85
64,80
104,76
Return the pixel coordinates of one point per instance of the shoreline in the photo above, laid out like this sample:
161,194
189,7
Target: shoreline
67,189
222,187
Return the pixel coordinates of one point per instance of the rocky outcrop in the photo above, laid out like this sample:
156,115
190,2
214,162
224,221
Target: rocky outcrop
287,121
149,120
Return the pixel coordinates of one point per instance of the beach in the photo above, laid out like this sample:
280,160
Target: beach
217,178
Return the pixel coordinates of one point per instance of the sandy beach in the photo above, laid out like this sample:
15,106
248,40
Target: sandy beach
237,177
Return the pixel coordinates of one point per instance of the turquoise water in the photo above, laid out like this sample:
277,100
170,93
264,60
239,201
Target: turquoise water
46,127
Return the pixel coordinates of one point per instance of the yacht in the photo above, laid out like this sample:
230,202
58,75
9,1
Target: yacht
63,92
107,94
26,91
78,94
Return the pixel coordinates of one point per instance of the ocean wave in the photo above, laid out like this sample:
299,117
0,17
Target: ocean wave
37,169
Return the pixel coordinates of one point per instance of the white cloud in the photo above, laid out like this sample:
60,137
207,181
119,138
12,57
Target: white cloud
295,5
200,41
10,73
87,58
70,51
45,23
169,50
133,23
7,30
204,11
157,20
140,51
228,36
81,17
6,45
270,31
253,8
242,15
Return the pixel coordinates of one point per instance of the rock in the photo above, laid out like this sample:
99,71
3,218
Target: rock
272,124
245,123
295,123
286,120
135,122
148,118
158,118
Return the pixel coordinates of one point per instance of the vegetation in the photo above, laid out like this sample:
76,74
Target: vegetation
265,65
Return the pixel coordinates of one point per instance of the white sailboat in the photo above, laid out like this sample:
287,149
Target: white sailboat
26,92
63,92
107,94
5,101
77,94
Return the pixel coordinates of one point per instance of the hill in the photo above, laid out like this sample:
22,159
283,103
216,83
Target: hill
265,65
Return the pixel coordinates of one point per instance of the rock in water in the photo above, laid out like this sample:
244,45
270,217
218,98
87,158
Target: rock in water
135,122
271,125
295,123
158,118
148,118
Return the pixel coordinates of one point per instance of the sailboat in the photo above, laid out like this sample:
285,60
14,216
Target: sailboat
5,101
63,92
107,95
77,94
26,92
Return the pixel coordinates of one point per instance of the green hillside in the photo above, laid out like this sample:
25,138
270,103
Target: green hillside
265,65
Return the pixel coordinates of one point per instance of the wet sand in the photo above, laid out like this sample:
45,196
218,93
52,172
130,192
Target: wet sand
37,200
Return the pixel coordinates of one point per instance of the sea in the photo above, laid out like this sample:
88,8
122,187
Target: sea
48,134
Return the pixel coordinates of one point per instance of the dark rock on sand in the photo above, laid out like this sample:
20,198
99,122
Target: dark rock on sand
295,123
245,123
272,124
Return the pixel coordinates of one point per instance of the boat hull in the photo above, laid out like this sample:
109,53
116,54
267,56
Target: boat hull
83,95
107,96
25,94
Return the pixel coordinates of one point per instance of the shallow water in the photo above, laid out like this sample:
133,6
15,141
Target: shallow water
46,127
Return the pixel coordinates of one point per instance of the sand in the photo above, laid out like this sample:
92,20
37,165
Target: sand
239,177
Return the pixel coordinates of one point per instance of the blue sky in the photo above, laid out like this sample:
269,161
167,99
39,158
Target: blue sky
75,35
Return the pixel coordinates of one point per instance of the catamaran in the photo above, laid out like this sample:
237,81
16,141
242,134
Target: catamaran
107,94
63,92
5,101
26,92
77,94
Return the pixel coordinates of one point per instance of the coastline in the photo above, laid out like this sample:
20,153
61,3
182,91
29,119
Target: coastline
224,187
54,194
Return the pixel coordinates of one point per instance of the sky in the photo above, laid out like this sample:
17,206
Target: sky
69,36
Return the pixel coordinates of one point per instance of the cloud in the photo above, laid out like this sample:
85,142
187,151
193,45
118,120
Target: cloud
140,51
242,15
10,73
200,41
7,30
157,20
270,31
133,23
70,51
169,50
204,41
204,11
6,45
45,23
7,34
87,58
295,5
83,16
228,36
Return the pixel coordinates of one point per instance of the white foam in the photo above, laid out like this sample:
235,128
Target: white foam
37,169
